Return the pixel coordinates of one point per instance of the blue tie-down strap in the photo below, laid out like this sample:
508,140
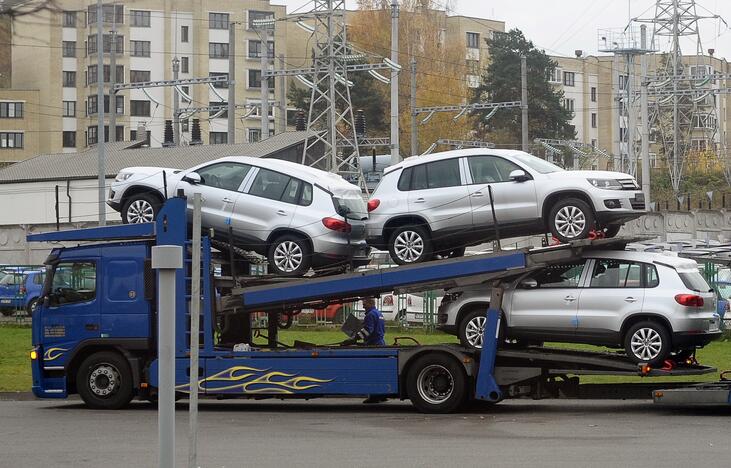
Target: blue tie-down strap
487,388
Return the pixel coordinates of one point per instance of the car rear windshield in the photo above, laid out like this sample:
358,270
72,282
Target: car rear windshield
11,278
537,164
355,206
694,281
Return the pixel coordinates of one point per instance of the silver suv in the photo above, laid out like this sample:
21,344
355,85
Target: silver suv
440,203
297,216
651,304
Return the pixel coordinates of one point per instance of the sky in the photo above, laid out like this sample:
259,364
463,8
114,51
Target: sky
563,26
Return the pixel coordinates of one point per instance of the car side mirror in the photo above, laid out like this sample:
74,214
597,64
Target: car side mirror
528,283
519,175
192,178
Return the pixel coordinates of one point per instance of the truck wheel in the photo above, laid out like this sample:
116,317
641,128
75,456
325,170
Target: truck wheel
410,244
140,208
436,383
472,327
570,220
289,255
104,381
647,342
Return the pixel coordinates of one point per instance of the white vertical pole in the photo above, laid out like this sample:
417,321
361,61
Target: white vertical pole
101,158
166,259
414,124
395,153
282,97
231,83
195,304
645,119
524,102
264,82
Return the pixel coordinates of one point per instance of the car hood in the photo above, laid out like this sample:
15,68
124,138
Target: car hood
147,170
588,175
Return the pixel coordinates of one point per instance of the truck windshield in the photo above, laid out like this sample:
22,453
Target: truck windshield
73,282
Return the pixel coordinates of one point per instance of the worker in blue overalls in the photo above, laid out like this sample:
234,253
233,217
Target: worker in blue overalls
373,329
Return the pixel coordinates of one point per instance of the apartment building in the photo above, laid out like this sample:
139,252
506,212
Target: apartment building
55,52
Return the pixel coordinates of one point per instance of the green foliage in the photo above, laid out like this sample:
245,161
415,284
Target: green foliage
546,116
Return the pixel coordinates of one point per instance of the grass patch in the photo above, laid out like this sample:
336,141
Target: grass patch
15,343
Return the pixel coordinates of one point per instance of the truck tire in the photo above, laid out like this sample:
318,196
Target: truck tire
410,244
289,255
436,383
140,208
571,219
104,381
647,341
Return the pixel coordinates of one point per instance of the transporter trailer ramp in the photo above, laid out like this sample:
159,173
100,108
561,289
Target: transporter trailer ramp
95,332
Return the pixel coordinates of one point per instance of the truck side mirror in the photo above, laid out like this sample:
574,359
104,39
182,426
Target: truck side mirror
192,178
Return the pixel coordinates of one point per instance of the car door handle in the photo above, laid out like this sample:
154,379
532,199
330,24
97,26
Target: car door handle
281,212
419,200
227,200
477,194
630,299
569,298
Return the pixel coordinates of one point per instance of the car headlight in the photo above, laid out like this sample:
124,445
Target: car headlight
608,184
122,176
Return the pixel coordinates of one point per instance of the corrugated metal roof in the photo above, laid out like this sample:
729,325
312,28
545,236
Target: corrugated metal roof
83,165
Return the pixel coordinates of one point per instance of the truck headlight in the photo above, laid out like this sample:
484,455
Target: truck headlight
122,176
607,184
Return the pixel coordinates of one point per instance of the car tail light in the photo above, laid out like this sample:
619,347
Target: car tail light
22,290
373,204
336,224
689,300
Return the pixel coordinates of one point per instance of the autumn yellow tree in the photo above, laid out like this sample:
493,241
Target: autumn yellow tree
441,66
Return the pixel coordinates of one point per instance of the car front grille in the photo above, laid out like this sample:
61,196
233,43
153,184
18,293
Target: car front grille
629,184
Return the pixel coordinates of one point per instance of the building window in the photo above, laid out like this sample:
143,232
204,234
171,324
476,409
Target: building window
10,140
259,15
254,135
69,19
69,48
473,40
69,79
255,80
219,84
140,19
138,76
69,108
593,94
622,81
11,110
110,13
139,48
217,20
255,49
218,50
91,136
568,104
92,75
119,100
118,76
69,139
184,34
186,92
133,136
118,39
593,120
569,78
593,142
185,125
139,108
217,138
184,65
220,106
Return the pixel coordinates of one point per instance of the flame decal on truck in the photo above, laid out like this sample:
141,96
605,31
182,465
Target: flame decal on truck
253,380
52,354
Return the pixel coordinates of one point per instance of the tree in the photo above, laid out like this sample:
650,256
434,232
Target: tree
501,82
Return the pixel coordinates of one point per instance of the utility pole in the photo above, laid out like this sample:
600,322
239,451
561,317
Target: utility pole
645,119
264,35
414,123
101,159
282,97
195,313
395,155
524,101
112,82
231,83
176,103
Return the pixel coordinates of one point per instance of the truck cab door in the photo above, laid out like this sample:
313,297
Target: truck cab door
71,312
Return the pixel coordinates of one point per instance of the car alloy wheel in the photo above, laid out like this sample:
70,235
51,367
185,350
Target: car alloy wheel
570,221
408,246
104,380
288,256
435,384
646,344
140,211
474,330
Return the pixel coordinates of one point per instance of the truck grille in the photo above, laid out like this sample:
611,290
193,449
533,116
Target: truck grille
629,184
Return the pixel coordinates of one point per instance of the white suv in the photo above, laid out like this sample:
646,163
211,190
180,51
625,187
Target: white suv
440,203
650,304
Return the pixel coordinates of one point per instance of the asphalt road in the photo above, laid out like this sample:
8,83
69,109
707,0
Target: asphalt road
345,433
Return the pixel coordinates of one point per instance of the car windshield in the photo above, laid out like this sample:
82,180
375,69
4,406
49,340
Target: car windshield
537,164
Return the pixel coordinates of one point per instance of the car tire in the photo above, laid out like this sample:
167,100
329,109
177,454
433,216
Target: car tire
32,305
104,381
410,244
472,327
612,230
289,255
140,208
571,219
647,342
436,383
